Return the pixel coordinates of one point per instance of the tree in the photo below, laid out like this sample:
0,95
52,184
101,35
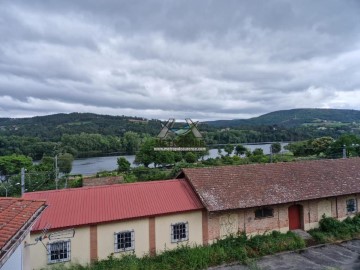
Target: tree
302,148
190,157
13,164
351,143
131,142
229,148
258,152
275,148
146,154
240,150
123,164
65,163
320,145
164,158
258,156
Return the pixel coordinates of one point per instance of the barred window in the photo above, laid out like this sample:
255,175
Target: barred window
179,232
124,241
58,251
351,206
264,212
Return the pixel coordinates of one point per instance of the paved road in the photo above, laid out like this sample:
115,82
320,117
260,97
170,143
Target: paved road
330,257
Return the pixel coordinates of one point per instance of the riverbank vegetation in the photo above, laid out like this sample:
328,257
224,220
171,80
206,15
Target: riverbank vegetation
237,248
166,165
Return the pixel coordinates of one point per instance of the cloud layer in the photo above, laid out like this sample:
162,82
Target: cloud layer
160,59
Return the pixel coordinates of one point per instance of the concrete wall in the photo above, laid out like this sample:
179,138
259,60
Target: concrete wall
97,242
106,237
221,224
163,230
80,249
14,262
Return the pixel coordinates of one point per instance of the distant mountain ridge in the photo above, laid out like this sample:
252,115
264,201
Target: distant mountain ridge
52,127
293,118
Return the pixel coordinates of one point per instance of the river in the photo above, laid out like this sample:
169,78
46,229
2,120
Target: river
90,166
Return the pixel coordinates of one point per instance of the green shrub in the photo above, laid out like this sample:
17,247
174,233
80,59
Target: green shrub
331,229
233,248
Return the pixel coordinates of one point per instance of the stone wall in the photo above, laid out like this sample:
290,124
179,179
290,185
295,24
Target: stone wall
221,224
100,181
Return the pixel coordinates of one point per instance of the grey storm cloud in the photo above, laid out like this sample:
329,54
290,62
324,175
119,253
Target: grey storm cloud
160,59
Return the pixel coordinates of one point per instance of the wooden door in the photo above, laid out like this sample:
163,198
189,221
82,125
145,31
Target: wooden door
294,217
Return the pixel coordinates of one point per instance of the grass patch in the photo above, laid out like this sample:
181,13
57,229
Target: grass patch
238,248
331,229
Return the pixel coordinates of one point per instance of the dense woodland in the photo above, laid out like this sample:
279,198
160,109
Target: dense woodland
85,134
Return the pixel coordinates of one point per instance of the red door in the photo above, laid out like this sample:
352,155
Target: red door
294,217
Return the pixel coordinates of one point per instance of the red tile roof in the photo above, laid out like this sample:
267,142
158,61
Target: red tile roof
16,217
232,187
80,206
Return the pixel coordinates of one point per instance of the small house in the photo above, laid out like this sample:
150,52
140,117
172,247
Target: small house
16,218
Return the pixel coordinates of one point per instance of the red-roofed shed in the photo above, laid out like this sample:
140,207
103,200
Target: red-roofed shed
143,218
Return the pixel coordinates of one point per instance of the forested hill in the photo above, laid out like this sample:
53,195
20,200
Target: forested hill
87,134
293,118
52,127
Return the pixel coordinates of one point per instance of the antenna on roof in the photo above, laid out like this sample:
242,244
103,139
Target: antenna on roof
68,233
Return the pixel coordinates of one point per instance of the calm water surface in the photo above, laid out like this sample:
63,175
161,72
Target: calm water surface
89,166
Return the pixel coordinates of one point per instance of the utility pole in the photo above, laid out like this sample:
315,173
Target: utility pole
22,181
271,154
56,172
344,151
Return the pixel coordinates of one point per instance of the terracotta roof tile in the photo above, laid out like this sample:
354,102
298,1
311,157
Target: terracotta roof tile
232,187
88,205
14,213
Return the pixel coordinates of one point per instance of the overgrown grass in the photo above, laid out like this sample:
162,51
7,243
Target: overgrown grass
231,249
331,229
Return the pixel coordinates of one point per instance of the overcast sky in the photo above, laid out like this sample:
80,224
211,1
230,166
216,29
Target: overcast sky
220,59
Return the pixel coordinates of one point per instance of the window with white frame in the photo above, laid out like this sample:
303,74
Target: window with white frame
124,241
59,251
351,206
179,232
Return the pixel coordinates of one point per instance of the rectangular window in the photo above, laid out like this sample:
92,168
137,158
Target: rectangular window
264,212
179,232
124,241
58,251
351,206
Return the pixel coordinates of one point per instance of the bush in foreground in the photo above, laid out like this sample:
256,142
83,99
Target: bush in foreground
331,229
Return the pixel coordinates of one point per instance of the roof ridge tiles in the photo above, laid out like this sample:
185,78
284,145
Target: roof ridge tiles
21,199
269,164
107,186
